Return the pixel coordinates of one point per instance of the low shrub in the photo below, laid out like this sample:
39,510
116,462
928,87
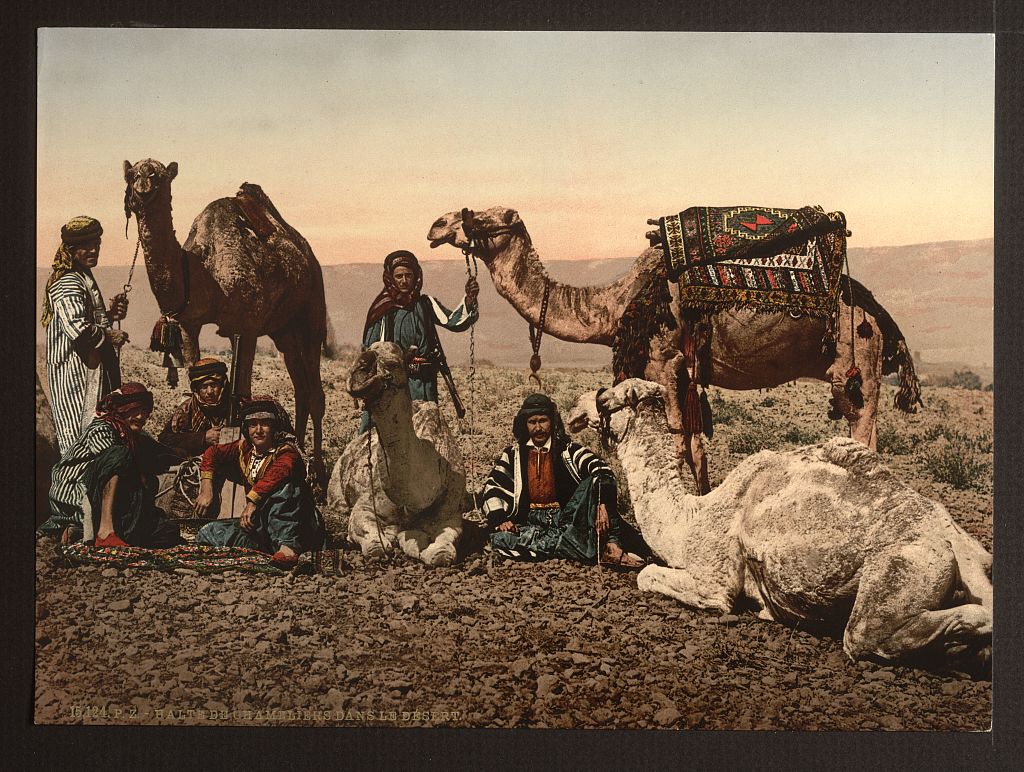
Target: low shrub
950,464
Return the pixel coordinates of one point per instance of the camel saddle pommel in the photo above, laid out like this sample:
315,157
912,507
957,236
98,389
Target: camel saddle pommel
256,210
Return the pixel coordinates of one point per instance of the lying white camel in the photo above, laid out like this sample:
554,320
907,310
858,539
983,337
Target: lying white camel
418,487
822,534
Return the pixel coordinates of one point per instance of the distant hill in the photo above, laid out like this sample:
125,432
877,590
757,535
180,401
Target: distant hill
940,294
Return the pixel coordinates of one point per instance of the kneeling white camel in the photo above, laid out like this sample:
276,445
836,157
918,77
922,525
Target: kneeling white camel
415,495
820,534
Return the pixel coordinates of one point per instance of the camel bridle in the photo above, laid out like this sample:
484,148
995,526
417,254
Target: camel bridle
604,430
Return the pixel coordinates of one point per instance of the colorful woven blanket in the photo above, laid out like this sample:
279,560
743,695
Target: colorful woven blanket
762,257
202,559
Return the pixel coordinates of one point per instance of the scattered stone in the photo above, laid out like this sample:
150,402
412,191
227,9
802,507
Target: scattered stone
667,716
120,605
544,685
108,573
245,610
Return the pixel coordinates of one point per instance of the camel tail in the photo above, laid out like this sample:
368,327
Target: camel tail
330,347
896,356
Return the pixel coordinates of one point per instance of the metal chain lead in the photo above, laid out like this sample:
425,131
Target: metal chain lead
471,272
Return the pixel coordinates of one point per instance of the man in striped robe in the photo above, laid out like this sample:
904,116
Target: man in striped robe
401,314
81,358
104,486
550,497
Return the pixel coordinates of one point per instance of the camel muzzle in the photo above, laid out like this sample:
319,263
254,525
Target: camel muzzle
365,383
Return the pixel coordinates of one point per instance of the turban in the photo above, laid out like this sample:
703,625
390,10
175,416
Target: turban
76,231
117,406
390,298
80,229
537,404
207,369
124,401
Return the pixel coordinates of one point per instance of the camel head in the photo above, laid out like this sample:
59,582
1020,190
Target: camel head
486,233
381,367
143,180
611,411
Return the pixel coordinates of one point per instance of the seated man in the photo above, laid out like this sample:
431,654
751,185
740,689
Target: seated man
279,514
104,485
197,422
549,497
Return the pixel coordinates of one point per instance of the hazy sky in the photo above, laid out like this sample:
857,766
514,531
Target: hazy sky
363,138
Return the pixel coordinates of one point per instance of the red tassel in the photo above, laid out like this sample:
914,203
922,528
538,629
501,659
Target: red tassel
692,422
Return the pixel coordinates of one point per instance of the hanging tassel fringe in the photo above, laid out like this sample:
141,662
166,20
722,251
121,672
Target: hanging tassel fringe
692,418
854,381
166,338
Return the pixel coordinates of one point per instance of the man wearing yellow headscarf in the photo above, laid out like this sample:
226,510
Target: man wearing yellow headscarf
81,344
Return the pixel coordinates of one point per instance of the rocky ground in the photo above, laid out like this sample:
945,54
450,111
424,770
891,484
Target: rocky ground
490,643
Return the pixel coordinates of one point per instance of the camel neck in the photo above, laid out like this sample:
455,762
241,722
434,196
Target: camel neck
648,459
163,253
409,473
578,314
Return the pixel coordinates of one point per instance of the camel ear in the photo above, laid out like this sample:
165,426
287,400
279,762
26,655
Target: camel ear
127,172
172,170
632,398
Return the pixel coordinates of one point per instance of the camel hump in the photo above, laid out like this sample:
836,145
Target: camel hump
260,211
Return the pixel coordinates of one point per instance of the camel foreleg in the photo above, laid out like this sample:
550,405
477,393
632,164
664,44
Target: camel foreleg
902,610
716,593
245,356
433,539
370,529
190,352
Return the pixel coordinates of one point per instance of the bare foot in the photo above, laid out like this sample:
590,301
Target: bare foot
615,555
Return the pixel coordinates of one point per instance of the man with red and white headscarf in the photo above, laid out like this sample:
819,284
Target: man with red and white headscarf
402,314
279,515
103,487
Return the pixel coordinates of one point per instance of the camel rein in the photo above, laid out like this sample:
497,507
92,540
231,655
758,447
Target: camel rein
605,416
478,237
472,270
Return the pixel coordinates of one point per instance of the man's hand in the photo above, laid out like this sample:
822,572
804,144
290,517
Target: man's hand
472,290
204,499
117,338
508,526
602,522
118,307
212,437
245,520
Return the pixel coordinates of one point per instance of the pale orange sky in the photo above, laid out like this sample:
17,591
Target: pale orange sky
363,138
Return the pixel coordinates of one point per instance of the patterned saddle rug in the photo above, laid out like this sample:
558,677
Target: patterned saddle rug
752,256
200,558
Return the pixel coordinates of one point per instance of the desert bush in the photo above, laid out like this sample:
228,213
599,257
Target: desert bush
960,379
894,442
768,401
797,435
726,412
752,437
951,464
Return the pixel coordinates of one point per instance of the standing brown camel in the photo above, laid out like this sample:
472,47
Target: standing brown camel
244,269
749,350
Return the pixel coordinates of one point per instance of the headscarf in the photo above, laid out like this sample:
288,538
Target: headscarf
265,406
198,413
118,405
537,404
390,298
77,231
206,369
